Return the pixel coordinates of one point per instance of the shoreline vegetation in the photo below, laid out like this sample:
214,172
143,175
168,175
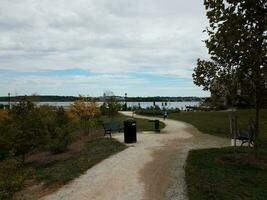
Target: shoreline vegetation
44,147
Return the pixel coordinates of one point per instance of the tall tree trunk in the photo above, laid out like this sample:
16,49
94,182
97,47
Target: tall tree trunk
257,108
257,80
257,121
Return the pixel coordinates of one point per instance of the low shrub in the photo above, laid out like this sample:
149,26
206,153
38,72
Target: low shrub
3,114
22,130
59,140
59,131
11,180
150,112
155,112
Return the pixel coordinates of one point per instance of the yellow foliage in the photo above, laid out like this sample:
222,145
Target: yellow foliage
3,114
73,117
85,110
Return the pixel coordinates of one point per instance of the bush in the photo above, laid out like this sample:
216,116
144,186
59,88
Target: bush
104,109
59,131
3,114
87,112
59,141
27,128
150,112
22,131
10,180
156,111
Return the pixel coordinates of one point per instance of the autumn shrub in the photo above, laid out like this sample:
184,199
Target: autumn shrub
3,114
87,112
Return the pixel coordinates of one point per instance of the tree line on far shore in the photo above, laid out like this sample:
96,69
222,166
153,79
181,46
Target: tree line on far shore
50,98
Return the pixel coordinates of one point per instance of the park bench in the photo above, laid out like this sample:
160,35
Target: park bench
111,127
246,135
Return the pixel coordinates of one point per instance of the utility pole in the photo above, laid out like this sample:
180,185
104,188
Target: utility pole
9,100
125,100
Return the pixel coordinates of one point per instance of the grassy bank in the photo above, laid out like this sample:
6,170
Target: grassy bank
218,174
217,123
58,172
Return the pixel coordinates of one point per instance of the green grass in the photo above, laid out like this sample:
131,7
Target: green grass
63,170
217,123
142,124
208,177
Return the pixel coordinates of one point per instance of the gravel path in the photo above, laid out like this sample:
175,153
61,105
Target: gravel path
151,169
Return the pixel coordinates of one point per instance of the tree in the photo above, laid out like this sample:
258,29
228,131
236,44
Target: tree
86,111
237,40
113,105
218,78
104,108
23,130
59,130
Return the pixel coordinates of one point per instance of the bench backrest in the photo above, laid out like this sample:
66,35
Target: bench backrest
112,126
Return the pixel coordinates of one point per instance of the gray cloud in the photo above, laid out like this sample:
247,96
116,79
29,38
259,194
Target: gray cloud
102,36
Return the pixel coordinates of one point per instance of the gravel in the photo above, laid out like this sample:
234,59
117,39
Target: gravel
153,168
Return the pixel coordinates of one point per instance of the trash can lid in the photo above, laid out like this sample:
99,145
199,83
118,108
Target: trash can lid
130,120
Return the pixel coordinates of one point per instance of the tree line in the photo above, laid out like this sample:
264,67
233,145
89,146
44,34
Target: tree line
42,98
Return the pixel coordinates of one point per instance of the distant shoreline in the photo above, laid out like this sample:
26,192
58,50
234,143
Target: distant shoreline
167,105
100,99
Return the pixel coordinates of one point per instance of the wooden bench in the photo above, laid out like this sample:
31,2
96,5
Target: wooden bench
111,127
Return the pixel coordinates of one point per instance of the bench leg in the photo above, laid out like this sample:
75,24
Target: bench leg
108,133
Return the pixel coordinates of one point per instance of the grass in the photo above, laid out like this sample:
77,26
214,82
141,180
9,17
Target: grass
60,171
142,124
221,174
217,123
209,176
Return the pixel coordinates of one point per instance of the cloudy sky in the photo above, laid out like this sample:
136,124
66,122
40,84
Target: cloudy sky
142,47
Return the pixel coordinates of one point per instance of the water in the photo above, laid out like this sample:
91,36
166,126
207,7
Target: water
170,105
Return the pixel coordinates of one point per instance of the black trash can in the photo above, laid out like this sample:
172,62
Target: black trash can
130,131
157,126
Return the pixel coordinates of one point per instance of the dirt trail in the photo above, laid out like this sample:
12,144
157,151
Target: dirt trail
151,169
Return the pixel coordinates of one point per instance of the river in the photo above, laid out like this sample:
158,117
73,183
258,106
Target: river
168,105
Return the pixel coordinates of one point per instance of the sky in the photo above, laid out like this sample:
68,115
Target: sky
63,47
